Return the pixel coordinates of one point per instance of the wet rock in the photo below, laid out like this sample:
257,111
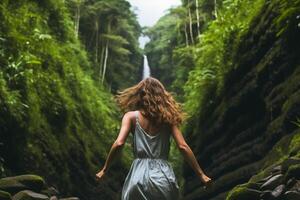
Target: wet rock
294,171
291,182
296,186
277,170
17,183
53,198
272,182
255,186
246,194
266,195
289,162
262,181
291,195
278,191
4,195
29,195
50,191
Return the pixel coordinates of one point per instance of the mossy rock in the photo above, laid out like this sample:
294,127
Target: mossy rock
293,172
273,182
4,195
17,183
242,192
29,195
50,191
292,195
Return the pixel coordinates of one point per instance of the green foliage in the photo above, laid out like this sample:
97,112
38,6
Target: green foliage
184,61
111,23
163,39
56,121
214,51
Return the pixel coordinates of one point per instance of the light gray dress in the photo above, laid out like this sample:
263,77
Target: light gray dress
150,177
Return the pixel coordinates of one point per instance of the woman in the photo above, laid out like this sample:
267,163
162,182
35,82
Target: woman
153,116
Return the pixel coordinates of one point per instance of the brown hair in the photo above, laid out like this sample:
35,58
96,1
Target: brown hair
155,103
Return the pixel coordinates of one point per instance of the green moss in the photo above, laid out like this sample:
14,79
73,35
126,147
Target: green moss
280,152
215,53
243,192
5,195
293,172
60,121
18,183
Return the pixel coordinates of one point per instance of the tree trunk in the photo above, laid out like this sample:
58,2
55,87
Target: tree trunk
97,40
216,9
101,63
186,35
191,23
105,61
198,18
77,18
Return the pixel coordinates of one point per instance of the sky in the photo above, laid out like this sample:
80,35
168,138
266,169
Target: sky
149,11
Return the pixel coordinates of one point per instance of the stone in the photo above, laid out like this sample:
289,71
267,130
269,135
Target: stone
265,179
272,182
53,198
296,186
293,171
291,195
291,182
50,191
29,195
276,170
278,191
245,194
267,194
70,198
4,195
288,163
23,182
254,186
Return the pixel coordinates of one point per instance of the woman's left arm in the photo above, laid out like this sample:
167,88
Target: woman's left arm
117,145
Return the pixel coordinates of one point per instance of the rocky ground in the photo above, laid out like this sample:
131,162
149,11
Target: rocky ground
29,187
279,182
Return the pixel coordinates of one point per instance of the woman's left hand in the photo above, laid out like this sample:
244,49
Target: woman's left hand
100,175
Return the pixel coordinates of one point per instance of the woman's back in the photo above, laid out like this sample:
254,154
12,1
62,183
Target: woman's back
150,176
149,145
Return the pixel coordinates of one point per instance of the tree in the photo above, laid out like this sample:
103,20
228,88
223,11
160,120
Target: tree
75,7
198,18
110,29
190,21
181,13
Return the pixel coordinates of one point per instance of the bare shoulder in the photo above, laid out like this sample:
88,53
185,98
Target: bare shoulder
129,116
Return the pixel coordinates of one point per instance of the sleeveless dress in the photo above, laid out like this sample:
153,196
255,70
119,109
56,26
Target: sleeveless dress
150,177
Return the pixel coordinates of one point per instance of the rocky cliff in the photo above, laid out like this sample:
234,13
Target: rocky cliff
237,132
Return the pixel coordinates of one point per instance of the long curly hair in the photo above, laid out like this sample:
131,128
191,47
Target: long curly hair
155,103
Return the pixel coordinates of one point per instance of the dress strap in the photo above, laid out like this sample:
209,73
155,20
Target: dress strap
136,116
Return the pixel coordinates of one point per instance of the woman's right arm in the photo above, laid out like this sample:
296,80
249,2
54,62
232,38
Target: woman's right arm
188,154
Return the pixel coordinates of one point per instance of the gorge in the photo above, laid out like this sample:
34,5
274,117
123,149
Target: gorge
234,65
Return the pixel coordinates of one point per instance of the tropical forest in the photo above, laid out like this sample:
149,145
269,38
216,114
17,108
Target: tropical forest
233,65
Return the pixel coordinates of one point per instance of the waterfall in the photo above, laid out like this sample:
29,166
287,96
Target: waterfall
146,69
